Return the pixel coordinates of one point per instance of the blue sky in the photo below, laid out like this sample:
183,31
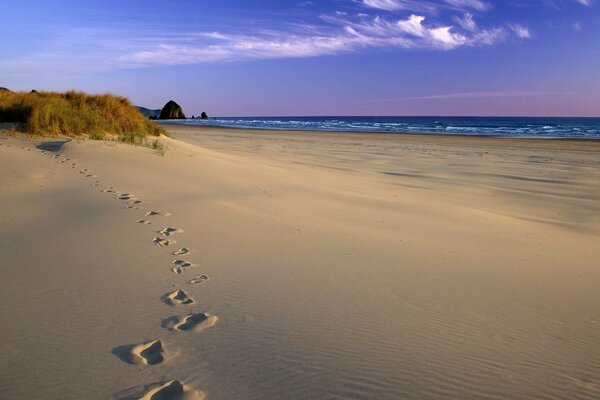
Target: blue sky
338,57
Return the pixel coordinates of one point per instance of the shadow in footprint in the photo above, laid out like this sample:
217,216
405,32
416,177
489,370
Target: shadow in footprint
160,242
52,145
169,231
198,279
169,322
181,252
180,266
149,353
169,390
191,322
177,297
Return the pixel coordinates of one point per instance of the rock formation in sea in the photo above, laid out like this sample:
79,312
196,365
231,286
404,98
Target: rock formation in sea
3,89
203,115
171,110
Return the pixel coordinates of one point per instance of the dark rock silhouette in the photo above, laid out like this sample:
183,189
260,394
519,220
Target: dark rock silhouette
203,115
34,91
171,110
3,89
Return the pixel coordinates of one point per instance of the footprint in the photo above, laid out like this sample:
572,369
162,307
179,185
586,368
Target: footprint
160,242
143,221
125,196
134,202
195,322
153,213
169,231
198,279
181,252
180,266
149,353
172,390
177,297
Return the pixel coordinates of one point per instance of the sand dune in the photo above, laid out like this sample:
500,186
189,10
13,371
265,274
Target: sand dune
356,266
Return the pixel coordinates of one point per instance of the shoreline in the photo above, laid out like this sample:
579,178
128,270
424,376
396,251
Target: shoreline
392,137
377,133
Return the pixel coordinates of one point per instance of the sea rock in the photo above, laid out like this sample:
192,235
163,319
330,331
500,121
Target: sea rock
203,115
3,89
171,110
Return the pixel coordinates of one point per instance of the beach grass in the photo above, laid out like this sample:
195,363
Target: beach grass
77,114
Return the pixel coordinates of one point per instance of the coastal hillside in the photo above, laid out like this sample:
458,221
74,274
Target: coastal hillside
149,113
76,114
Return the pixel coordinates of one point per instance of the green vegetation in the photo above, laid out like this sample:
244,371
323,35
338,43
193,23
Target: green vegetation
76,114
158,146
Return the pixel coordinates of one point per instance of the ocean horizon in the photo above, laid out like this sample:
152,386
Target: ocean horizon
534,127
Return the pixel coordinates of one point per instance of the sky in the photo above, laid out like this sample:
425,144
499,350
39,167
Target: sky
297,57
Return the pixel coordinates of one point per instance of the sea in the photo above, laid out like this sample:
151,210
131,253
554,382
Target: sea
532,127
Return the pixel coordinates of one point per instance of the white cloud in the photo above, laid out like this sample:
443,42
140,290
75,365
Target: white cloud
441,37
410,33
521,31
466,4
587,3
466,22
339,32
427,5
392,5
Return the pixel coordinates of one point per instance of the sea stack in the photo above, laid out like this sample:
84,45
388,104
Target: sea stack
171,110
203,115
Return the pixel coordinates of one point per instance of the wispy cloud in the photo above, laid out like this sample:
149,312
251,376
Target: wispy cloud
341,35
521,31
587,3
466,21
470,95
474,95
425,5
352,27
393,5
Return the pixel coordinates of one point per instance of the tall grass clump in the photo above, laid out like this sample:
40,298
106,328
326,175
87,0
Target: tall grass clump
76,114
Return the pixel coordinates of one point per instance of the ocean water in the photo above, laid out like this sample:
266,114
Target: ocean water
588,128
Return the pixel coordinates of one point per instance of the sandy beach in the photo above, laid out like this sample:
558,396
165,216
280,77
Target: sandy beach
269,265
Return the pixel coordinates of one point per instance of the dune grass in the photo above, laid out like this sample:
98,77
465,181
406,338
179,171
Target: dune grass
76,114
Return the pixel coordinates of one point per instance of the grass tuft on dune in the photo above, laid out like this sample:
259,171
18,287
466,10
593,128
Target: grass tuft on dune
77,114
